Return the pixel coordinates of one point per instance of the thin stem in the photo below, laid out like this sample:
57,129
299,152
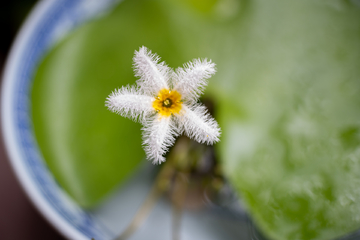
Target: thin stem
161,184
176,223
142,213
178,199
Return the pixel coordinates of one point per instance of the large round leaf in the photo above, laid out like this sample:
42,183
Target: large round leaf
286,94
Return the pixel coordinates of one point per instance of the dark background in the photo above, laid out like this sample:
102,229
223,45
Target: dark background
19,220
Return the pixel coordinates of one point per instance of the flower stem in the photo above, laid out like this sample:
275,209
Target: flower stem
161,184
178,199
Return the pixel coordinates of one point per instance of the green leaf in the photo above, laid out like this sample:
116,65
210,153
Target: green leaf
286,93
88,148
290,141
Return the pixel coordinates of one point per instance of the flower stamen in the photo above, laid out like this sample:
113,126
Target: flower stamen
168,102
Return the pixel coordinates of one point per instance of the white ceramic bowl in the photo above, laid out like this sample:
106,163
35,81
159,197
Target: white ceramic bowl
47,24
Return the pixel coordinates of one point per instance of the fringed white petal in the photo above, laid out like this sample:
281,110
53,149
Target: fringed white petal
153,75
198,124
159,134
128,102
192,79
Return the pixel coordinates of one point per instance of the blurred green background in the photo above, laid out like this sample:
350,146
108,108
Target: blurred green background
286,96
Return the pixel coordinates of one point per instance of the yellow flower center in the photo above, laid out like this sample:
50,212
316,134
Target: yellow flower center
167,102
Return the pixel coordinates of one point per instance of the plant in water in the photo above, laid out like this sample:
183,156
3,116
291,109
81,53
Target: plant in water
166,103
191,178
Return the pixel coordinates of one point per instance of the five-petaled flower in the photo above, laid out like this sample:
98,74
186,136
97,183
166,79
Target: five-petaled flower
166,103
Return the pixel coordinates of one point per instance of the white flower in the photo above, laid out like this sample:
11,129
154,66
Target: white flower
166,103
